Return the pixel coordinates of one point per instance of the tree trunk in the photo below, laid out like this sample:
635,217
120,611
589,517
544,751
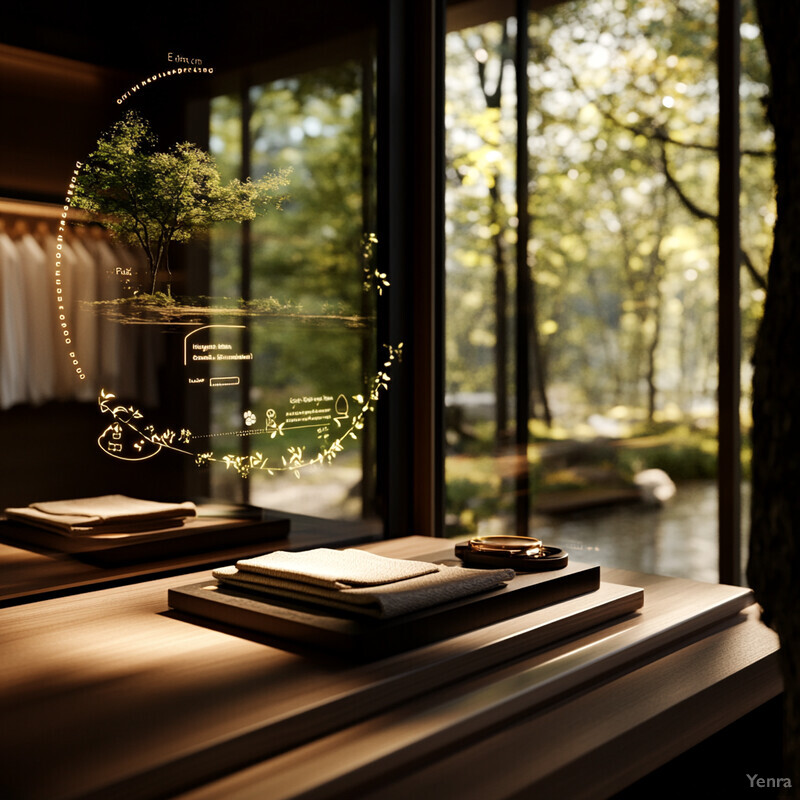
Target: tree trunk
501,321
650,375
493,99
774,566
538,368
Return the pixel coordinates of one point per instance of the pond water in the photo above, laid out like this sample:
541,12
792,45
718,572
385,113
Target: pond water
677,539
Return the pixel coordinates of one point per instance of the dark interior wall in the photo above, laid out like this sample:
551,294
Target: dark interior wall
230,35
52,109
61,68
49,452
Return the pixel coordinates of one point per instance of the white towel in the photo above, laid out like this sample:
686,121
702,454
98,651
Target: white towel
85,324
335,569
43,329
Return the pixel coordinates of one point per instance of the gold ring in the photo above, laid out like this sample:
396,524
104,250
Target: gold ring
507,545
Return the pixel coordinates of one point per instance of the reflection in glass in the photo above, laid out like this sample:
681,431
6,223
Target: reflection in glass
317,343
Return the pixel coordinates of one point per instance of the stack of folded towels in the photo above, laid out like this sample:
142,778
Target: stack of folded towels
358,581
107,514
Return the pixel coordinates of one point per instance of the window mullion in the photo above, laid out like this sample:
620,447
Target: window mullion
524,293
729,332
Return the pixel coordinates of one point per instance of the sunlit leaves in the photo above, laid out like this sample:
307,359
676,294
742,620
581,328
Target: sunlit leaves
151,198
618,89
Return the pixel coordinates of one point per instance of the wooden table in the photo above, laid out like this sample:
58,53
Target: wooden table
109,694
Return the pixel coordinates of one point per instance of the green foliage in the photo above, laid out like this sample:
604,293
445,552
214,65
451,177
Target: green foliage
152,198
311,257
469,502
679,461
622,133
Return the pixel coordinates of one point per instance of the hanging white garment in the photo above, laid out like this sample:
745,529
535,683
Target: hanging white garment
13,326
86,323
42,321
63,260
111,278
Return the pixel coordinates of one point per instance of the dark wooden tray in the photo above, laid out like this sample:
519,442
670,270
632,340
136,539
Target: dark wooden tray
366,639
196,535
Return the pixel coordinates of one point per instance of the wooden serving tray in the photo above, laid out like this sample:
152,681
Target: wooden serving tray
289,622
197,534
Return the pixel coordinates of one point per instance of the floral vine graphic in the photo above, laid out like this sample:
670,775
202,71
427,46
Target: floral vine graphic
127,438
372,275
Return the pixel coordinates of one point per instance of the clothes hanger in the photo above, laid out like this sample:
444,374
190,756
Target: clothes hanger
19,228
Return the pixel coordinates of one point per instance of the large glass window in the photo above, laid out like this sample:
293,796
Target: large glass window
609,221
623,253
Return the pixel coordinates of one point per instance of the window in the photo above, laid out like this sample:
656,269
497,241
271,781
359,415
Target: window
559,304
623,239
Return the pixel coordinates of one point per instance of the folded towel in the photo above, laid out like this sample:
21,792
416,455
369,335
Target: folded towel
365,594
335,569
114,513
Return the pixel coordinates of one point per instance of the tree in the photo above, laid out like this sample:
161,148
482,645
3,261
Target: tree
774,566
151,199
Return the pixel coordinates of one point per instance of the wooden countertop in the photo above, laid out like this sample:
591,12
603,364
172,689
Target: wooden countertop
109,694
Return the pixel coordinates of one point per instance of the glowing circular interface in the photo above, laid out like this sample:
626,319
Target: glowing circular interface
230,319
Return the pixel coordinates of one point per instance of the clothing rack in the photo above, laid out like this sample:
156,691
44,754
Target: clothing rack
39,211
39,317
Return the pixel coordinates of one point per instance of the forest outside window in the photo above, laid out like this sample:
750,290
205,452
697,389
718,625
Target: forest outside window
623,249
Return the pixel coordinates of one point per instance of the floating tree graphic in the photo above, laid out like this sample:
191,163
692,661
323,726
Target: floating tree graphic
150,198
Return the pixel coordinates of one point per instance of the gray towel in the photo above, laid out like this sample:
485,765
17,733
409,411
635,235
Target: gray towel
366,594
